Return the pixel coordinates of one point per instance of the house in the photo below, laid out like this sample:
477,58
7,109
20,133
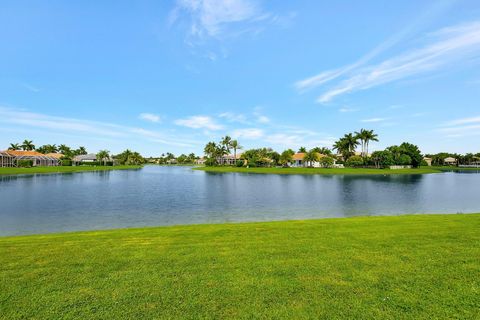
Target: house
450,161
6,160
228,160
37,158
84,158
297,161
200,161
57,156
428,161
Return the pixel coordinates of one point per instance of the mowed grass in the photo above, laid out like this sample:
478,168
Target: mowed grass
60,169
335,171
406,267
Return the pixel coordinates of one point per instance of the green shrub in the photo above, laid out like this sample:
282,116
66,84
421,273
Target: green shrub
25,163
404,160
239,163
210,162
354,161
326,162
66,162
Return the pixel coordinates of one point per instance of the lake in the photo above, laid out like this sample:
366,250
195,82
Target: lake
155,196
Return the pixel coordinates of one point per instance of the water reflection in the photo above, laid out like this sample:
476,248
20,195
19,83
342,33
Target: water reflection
179,195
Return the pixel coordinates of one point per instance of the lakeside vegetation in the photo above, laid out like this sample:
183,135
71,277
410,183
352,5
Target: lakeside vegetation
404,267
325,171
62,169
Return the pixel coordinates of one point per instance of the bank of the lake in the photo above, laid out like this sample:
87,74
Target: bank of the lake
326,171
403,267
61,169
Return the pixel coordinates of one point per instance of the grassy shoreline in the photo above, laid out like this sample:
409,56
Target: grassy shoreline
417,266
60,169
324,171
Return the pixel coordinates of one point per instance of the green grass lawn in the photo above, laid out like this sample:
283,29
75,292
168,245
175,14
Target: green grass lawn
405,267
62,169
359,171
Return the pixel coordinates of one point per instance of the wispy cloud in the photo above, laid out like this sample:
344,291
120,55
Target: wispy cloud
23,119
212,18
234,117
437,9
248,133
30,87
373,120
199,122
462,127
150,117
446,47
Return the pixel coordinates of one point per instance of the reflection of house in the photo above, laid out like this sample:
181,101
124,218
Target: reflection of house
6,160
297,160
428,161
37,158
450,161
84,158
228,160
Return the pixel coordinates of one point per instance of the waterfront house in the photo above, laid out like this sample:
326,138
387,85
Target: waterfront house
297,161
6,160
84,159
228,160
37,158
200,161
450,161
428,161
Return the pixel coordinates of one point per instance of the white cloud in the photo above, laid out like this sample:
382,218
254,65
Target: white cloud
346,109
60,125
149,117
464,121
373,120
233,117
199,122
446,47
211,17
30,87
248,133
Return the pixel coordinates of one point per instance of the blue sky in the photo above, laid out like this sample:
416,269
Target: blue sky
159,76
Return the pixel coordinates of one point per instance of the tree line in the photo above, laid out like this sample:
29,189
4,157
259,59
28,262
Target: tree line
104,157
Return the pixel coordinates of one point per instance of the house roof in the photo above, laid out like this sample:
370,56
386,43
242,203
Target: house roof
83,157
55,155
21,153
301,155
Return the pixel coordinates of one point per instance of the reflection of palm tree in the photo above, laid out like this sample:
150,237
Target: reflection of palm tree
28,145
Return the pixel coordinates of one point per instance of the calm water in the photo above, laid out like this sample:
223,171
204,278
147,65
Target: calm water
178,195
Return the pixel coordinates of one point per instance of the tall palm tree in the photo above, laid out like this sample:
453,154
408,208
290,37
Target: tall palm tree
370,136
28,145
351,142
103,156
81,151
362,136
226,143
14,146
210,149
234,144
302,150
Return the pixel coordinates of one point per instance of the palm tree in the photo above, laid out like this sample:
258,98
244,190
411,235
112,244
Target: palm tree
226,143
362,136
210,149
370,136
14,146
342,148
351,142
310,157
302,150
81,151
28,145
234,144
103,156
